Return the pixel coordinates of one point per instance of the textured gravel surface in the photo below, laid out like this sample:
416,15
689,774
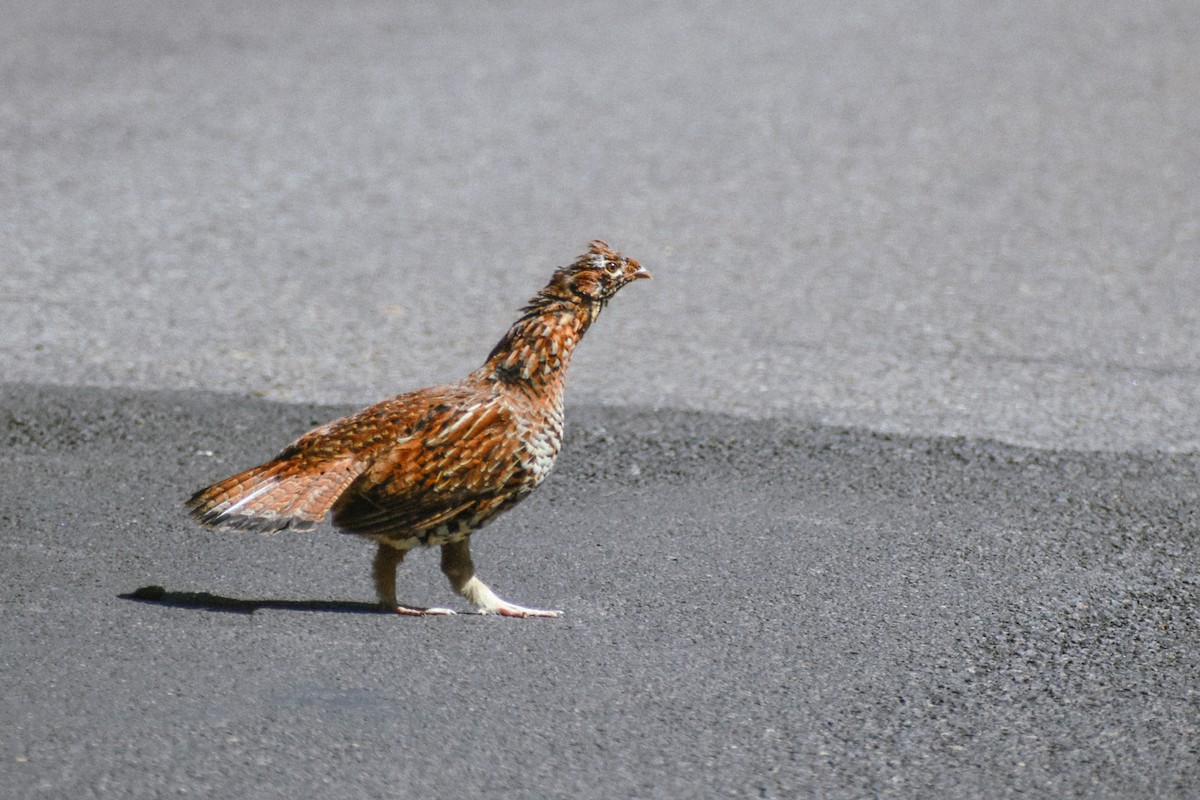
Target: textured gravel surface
975,219
752,609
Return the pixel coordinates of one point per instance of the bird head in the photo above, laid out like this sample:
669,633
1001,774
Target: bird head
596,275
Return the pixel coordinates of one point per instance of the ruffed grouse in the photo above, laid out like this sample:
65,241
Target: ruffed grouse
433,466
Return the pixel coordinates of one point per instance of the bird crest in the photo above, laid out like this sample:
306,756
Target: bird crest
599,252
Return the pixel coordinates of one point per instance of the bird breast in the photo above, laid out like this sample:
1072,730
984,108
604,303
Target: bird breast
540,445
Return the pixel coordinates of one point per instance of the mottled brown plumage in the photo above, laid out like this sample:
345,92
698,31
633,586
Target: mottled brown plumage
430,467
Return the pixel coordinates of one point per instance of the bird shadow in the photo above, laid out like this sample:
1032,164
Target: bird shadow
206,601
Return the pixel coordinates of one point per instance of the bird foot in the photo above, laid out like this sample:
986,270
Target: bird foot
405,611
510,610
477,592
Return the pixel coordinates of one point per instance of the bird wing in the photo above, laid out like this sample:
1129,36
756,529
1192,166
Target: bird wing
297,488
460,465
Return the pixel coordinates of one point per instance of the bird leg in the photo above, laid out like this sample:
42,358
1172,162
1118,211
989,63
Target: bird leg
458,567
387,558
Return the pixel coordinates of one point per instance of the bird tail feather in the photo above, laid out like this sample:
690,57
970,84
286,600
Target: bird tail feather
275,496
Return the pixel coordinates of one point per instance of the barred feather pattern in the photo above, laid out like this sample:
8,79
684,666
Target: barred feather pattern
279,495
432,466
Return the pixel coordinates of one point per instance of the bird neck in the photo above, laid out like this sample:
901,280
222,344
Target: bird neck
535,352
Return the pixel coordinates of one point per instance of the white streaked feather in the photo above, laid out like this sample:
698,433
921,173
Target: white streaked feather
266,487
465,416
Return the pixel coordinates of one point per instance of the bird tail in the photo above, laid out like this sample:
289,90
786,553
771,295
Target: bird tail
275,496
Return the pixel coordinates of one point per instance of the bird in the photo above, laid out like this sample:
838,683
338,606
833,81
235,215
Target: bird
429,468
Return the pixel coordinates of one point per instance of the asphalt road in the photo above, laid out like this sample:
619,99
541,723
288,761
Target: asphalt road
886,486
754,609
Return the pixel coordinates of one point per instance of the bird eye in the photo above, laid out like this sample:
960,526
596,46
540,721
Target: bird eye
611,266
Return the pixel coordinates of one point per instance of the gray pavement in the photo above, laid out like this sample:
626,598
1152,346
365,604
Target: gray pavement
979,221
886,486
758,609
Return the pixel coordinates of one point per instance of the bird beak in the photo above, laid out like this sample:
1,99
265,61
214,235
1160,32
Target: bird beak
641,273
